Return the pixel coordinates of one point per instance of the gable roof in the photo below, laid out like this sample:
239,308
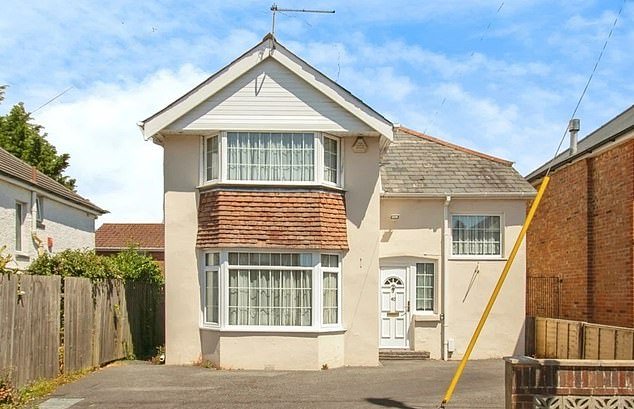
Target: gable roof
416,164
608,132
269,47
17,169
123,235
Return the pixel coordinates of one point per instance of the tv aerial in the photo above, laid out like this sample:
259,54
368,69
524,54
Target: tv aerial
275,9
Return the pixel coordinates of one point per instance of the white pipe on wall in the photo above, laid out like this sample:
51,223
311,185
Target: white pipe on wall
446,235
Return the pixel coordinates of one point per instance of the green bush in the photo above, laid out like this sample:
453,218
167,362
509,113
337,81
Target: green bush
127,265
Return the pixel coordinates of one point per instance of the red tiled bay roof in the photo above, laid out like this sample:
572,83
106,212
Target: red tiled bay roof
301,220
122,235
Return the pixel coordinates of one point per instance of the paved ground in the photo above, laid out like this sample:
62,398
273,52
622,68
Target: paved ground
410,384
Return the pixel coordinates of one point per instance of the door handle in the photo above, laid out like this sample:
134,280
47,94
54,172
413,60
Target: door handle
408,305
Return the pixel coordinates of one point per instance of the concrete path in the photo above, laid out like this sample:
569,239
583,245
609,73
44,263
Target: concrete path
409,384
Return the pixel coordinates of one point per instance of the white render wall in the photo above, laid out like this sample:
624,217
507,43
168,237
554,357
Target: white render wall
417,236
67,226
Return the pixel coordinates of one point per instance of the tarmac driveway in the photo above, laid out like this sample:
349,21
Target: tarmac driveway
396,384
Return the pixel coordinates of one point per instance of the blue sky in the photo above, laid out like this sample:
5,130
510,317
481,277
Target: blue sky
510,76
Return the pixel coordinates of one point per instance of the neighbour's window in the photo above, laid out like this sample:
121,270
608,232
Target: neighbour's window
212,159
19,221
425,282
270,289
212,266
476,235
331,160
266,156
330,271
39,209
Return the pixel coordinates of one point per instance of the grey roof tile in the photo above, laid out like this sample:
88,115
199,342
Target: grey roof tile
18,169
419,164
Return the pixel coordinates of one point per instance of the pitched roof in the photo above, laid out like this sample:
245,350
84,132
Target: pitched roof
418,164
269,47
608,132
16,168
123,235
267,219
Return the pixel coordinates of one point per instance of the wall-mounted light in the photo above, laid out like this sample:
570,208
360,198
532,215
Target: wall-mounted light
395,216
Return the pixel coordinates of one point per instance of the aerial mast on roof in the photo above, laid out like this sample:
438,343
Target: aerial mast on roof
276,9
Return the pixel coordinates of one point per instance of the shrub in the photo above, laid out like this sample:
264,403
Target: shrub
127,265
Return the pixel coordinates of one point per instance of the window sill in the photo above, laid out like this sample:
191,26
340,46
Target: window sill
22,256
477,258
265,184
274,331
426,318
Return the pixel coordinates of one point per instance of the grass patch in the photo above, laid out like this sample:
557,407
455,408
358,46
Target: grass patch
26,396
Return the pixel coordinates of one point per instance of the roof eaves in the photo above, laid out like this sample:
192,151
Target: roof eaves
565,158
454,146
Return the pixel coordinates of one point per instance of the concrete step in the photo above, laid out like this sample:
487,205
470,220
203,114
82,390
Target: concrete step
402,354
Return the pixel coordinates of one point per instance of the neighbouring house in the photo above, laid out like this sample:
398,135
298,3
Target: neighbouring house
147,238
39,215
580,247
302,228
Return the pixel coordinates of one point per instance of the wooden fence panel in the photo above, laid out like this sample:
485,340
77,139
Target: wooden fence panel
556,338
606,342
29,318
102,322
78,324
563,339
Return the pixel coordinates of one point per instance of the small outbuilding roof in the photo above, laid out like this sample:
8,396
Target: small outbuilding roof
17,169
608,132
416,164
117,236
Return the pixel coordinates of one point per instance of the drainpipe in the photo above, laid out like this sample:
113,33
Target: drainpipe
446,231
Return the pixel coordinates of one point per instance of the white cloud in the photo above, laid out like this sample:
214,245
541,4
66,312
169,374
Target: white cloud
113,165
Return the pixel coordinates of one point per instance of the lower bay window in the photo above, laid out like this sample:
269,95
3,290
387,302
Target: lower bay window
262,290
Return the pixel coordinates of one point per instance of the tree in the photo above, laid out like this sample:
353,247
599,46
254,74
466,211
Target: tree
28,142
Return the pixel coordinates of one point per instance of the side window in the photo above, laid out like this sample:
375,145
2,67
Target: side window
425,286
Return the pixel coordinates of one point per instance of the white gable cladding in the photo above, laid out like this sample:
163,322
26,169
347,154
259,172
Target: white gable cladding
269,97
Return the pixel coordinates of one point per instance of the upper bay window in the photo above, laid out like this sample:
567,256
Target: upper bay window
272,157
476,235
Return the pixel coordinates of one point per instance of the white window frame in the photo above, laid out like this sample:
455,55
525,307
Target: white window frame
434,310
223,282
39,209
477,256
205,141
336,270
206,269
20,218
318,169
323,158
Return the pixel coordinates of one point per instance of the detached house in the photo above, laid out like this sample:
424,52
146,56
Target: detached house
302,228
40,215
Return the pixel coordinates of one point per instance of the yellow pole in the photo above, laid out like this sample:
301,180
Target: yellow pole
496,291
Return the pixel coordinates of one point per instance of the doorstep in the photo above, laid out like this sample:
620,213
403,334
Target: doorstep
402,355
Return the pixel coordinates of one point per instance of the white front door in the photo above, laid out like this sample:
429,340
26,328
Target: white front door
394,315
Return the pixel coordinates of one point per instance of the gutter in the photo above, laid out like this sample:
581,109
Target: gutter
469,195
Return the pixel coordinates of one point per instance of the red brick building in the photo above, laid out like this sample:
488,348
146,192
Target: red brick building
112,238
580,247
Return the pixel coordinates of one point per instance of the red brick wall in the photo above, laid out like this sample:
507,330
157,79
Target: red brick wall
526,378
610,237
556,242
583,232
